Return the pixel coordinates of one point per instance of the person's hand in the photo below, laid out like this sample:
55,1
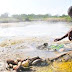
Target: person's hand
58,39
70,35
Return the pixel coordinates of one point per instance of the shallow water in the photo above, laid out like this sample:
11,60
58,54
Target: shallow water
33,52
34,29
39,28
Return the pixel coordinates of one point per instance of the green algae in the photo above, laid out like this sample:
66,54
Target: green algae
57,46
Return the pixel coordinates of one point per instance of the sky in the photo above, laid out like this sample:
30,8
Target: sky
53,7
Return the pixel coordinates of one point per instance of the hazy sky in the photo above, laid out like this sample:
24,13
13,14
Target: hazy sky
35,6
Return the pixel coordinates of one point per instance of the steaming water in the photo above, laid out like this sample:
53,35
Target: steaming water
35,29
31,29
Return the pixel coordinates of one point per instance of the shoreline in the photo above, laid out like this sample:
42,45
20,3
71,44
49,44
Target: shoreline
7,20
15,48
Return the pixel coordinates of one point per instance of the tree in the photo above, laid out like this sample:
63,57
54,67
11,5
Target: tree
5,15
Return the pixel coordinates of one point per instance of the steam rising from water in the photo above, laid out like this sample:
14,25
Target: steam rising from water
35,29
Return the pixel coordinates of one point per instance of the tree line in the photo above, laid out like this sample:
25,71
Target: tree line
30,17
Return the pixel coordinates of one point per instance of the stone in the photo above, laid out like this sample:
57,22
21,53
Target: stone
37,62
11,62
15,67
61,50
43,47
25,63
10,66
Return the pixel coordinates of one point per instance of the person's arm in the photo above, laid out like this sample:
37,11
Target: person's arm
58,39
69,34
64,36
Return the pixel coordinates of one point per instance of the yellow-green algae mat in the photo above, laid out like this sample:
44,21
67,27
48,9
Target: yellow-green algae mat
62,64
56,67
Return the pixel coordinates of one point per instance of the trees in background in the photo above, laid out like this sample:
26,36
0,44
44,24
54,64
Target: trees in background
5,15
29,17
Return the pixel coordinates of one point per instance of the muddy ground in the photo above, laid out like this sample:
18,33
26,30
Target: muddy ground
19,47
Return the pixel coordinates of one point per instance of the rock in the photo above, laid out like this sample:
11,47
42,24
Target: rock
55,50
19,60
56,58
15,67
43,47
37,62
48,60
68,49
32,59
44,63
11,62
22,69
65,49
10,66
19,63
67,57
45,44
61,50
25,63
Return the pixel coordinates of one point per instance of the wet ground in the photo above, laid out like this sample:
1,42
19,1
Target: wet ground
21,40
18,47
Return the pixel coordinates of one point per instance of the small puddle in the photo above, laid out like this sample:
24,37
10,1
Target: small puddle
32,51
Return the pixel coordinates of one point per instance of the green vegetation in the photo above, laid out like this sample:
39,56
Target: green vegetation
57,46
5,18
